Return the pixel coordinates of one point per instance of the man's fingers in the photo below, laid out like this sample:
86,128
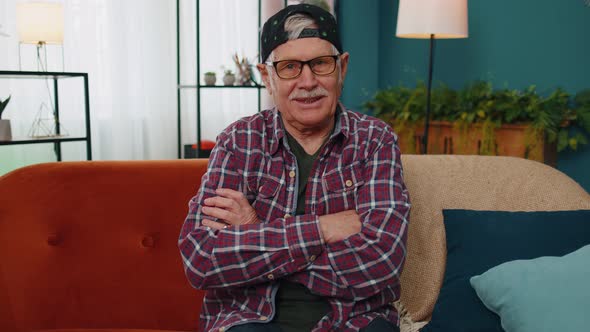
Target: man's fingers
222,202
231,194
236,196
218,213
214,224
231,206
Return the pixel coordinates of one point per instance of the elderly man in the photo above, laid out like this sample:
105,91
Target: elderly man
301,219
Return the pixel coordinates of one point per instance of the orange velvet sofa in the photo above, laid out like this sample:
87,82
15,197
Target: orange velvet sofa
92,245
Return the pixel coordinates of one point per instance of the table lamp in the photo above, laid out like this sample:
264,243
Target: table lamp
40,23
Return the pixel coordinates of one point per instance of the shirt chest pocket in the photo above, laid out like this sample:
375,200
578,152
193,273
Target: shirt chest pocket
344,180
262,192
341,189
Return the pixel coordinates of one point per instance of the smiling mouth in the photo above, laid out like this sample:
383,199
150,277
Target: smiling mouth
308,100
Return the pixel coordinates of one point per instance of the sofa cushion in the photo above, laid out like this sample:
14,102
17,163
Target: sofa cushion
492,183
523,292
480,240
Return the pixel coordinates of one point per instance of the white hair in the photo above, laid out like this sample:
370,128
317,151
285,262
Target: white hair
294,25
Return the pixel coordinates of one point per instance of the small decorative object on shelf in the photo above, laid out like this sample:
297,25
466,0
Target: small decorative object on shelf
210,78
244,70
229,78
48,114
45,125
5,131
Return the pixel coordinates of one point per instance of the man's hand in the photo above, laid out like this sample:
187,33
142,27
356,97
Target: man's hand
230,207
338,226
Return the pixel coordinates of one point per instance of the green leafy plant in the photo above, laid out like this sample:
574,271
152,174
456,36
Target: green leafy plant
210,73
580,118
245,69
3,105
478,104
399,106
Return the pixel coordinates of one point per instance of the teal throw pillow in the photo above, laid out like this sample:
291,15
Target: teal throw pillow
542,294
480,240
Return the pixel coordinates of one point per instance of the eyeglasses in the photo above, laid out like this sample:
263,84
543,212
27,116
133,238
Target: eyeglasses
322,66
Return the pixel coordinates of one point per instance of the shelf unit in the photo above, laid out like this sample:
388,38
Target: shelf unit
197,87
57,140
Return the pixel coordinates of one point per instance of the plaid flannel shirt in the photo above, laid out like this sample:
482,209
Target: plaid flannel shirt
358,168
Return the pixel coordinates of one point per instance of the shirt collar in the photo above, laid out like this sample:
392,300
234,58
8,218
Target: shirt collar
278,130
342,126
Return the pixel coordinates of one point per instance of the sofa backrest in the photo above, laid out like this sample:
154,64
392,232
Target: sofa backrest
438,182
94,245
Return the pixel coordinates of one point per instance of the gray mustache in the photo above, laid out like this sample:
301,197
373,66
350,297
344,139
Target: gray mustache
317,92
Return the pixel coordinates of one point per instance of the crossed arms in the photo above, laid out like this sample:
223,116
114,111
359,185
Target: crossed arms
351,254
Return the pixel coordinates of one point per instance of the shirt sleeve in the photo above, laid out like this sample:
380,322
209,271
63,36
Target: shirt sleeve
246,254
365,263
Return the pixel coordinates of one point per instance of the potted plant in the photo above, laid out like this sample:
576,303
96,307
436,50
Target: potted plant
210,78
229,78
5,131
244,70
480,120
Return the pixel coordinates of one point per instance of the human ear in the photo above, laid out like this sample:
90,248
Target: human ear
265,76
344,64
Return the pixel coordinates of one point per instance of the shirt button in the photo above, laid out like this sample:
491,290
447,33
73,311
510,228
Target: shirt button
287,215
348,183
292,174
263,318
270,276
312,258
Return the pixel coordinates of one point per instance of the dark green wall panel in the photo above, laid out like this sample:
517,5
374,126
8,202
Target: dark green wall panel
364,65
513,44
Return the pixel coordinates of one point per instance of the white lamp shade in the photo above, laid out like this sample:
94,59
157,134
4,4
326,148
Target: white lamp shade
441,18
40,22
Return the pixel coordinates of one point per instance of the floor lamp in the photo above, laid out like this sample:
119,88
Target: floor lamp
431,19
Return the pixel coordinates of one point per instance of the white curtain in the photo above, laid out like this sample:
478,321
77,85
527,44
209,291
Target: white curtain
227,27
128,49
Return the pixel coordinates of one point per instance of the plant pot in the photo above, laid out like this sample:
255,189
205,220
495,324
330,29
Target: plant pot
229,79
5,131
210,79
509,140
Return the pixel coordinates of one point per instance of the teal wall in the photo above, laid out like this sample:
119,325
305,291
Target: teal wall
513,44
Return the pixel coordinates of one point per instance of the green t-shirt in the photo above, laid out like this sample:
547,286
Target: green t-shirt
297,309
304,164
